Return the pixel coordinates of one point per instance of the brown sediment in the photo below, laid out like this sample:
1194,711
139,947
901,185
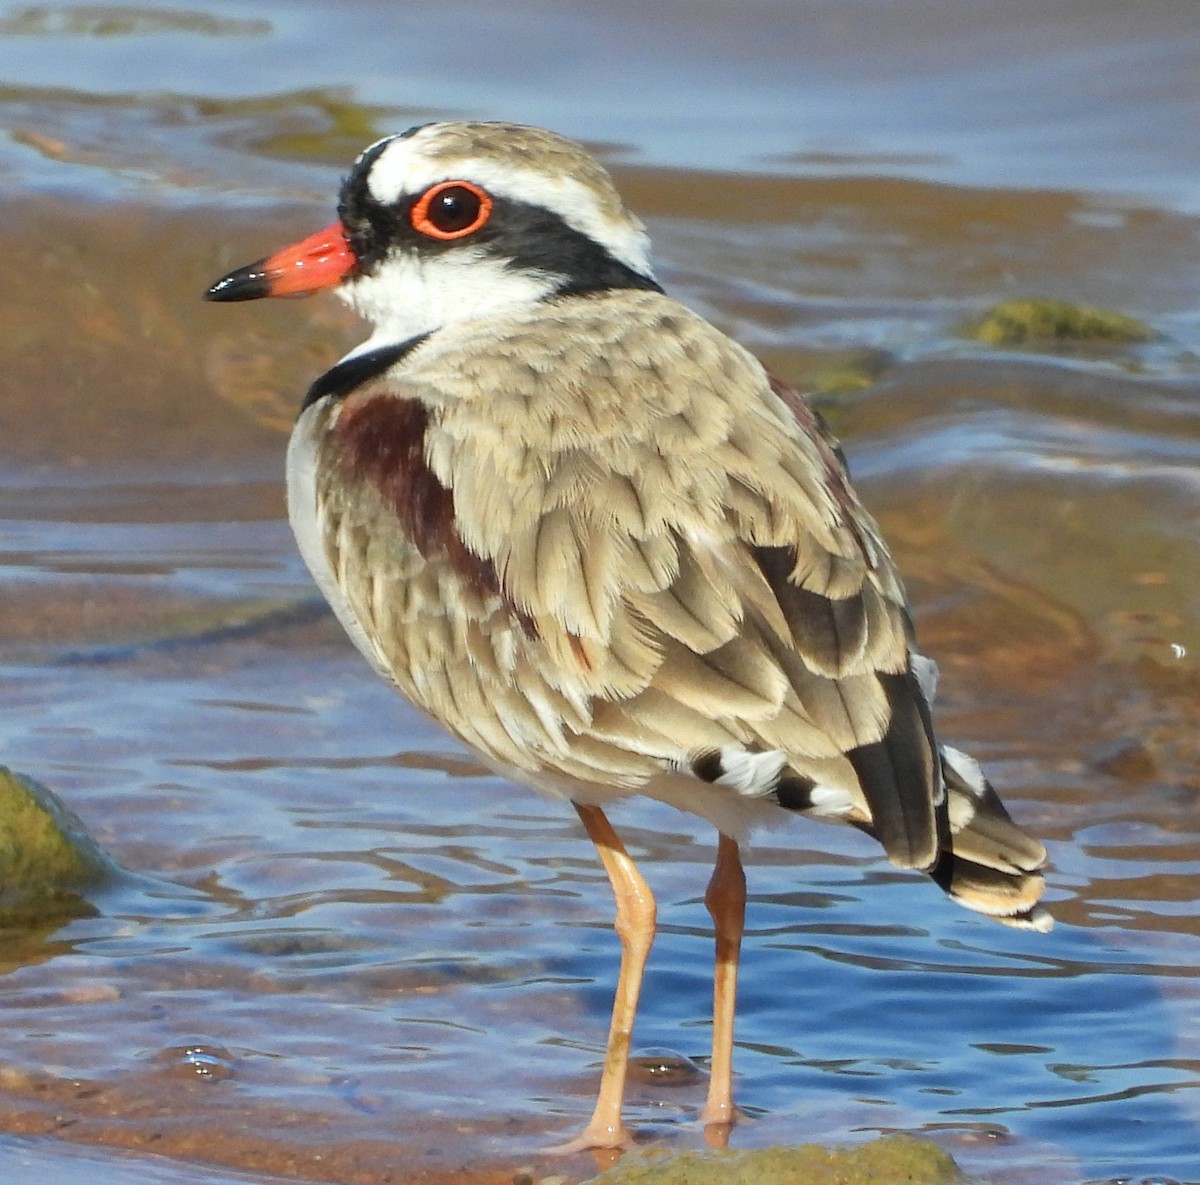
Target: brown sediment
111,361
159,1117
286,1143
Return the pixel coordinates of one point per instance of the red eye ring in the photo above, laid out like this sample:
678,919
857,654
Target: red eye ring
451,210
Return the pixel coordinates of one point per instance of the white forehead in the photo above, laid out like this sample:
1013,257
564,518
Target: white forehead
583,197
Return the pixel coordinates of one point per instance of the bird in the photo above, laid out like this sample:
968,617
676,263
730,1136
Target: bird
597,541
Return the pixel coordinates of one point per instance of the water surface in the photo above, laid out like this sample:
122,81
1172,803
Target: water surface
379,959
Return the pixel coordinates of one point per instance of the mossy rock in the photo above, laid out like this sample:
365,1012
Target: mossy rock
890,1160
847,373
47,858
1016,322
322,124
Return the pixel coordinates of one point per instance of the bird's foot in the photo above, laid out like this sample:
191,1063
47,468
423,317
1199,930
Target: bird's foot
716,1135
594,1137
718,1119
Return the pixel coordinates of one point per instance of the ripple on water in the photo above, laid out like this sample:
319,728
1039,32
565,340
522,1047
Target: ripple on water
380,955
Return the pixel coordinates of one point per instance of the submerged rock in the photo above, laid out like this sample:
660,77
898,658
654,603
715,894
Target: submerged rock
846,373
1014,322
47,858
891,1160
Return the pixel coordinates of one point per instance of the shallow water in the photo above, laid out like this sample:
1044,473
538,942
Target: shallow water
376,958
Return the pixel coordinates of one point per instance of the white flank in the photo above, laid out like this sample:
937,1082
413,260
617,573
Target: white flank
302,514
828,800
926,671
967,768
751,774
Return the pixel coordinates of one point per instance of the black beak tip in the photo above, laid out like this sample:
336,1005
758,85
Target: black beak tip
247,283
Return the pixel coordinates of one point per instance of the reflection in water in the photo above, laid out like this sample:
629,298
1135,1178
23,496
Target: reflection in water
378,948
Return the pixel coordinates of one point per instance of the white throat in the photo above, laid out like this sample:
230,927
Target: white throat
408,296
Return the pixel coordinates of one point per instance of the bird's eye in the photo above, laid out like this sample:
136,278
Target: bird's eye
451,210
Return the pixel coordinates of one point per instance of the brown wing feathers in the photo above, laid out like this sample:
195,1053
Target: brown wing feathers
899,777
380,442
896,771
683,571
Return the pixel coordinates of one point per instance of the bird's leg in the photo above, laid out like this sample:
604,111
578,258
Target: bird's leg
635,922
726,901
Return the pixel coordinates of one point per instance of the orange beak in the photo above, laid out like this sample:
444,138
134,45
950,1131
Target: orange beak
320,261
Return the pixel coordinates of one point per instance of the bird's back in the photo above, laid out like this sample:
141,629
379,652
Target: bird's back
627,557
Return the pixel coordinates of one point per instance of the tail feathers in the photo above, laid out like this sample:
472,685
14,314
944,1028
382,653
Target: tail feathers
983,859
1009,897
991,865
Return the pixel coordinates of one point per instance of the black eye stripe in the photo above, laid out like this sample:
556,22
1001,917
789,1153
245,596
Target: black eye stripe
525,236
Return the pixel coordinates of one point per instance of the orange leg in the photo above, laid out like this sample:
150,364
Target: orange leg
726,901
636,917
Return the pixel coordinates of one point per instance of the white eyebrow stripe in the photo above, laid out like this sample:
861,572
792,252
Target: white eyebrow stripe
402,169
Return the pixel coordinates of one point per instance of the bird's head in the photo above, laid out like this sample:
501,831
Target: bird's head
450,221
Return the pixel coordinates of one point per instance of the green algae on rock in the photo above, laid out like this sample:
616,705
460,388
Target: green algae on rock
1015,322
847,373
46,856
890,1160
318,123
